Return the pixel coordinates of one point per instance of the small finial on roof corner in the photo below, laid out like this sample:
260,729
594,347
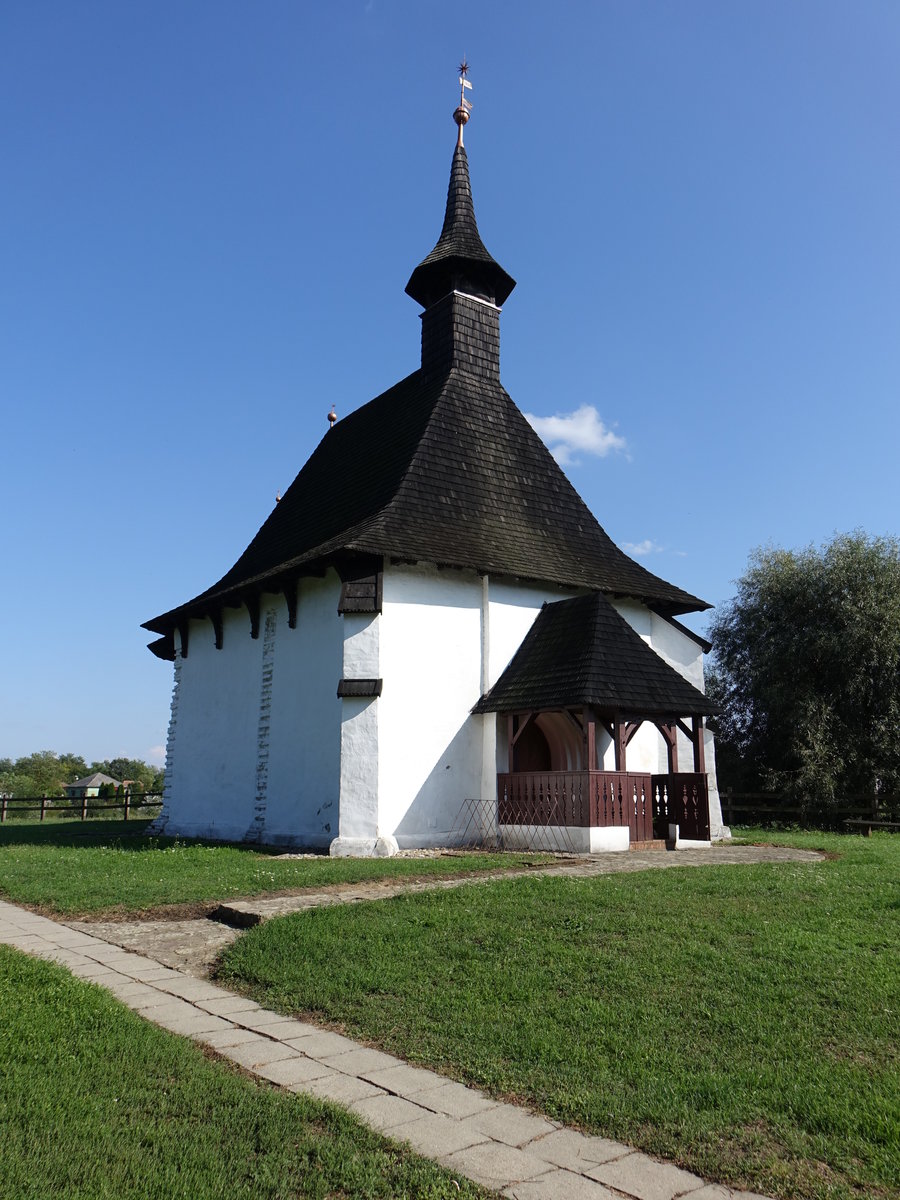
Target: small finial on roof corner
332,417
461,115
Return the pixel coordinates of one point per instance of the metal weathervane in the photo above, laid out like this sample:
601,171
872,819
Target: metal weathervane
461,115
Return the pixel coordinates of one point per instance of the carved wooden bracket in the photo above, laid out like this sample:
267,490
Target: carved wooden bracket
290,597
253,610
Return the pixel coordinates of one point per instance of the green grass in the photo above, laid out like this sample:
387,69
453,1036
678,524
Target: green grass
742,1021
113,867
98,1104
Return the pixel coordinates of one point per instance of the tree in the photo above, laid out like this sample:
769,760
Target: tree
48,771
807,671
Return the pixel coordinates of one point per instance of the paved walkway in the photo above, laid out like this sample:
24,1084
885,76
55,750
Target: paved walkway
194,945
517,1152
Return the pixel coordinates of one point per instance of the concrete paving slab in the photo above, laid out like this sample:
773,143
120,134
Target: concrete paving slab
66,958
121,966
340,1088
222,1027
454,1100
227,1004
403,1080
129,991
286,1030
191,989
359,1061
560,1185
70,940
386,1112
713,1191
494,1165
28,943
576,1151
435,1134
292,1072
188,1026
323,1043
116,983
511,1125
258,1053
229,1037
103,952
151,973
159,1002
255,1018
646,1179
94,972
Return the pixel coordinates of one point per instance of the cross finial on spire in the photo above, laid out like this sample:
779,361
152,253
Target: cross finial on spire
461,115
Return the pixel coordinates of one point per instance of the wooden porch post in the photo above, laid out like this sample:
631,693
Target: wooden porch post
590,740
510,735
669,731
699,749
673,750
620,742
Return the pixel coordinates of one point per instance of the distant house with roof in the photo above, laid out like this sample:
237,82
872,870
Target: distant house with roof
89,786
431,616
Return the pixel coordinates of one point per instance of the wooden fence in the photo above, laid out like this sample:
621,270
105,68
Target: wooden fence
79,808
771,808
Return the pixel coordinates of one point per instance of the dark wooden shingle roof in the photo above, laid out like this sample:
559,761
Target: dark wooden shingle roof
581,652
441,468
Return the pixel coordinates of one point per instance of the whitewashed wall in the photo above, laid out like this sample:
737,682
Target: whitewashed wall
254,739
430,747
213,743
359,827
260,746
305,734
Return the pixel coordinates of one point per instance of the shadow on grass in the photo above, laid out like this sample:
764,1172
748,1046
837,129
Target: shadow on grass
97,833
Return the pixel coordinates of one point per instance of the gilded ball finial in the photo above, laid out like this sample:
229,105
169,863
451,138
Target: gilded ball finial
332,417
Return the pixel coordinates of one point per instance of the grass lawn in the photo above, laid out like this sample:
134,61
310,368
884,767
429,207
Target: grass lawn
742,1021
98,1104
113,868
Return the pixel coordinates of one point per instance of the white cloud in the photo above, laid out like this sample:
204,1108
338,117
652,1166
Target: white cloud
578,432
641,549
156,755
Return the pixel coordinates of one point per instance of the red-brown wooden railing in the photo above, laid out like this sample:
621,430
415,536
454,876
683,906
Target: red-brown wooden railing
596,799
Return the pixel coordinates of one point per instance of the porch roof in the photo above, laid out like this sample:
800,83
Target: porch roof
582,651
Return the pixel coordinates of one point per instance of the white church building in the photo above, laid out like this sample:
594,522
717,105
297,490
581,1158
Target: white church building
431,618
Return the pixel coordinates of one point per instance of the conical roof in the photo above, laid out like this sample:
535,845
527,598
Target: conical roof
441,468
460,260
582,652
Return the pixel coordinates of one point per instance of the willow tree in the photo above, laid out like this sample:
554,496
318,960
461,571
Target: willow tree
807,669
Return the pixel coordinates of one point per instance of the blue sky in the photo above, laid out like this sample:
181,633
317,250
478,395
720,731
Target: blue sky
209,212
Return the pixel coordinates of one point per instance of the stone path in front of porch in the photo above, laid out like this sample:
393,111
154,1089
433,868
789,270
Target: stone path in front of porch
193,945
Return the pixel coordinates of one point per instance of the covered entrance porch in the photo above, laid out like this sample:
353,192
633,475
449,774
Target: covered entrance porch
669,806
569,707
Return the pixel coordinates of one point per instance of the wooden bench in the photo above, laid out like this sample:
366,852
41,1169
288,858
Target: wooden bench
869,824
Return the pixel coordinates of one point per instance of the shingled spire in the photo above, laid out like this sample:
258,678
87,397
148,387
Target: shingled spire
459,284
460,261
